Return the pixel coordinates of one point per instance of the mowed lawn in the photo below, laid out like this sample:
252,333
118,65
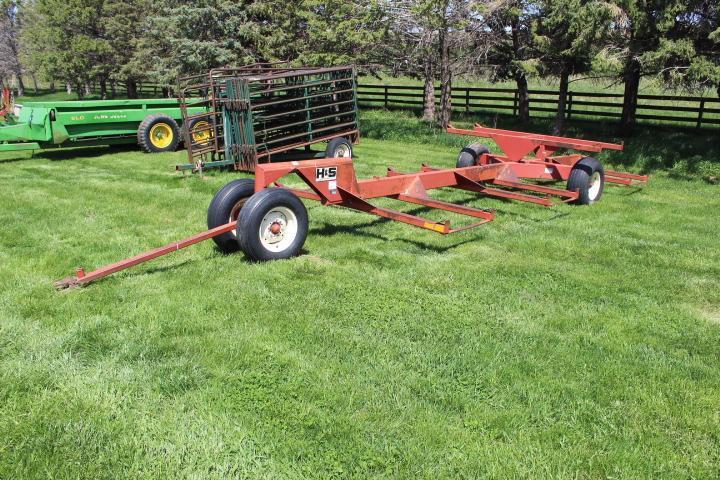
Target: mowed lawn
564,342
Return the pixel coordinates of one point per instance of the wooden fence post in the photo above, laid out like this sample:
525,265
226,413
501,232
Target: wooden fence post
700,113
515,102
386,97
569,105
467,100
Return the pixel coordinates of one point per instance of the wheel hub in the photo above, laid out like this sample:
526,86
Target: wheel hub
278,229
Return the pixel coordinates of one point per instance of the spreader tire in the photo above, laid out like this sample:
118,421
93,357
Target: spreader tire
200,131
225,207
338,148
588,178
158,133
273,225
470,155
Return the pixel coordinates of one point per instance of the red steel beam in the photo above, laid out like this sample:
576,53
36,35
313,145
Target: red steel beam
82,278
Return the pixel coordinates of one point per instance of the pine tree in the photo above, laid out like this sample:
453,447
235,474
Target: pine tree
567,35
638,38
193,36
64,39
512,57
10,24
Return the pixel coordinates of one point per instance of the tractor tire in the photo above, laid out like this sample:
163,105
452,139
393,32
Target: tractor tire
273,225
339,148
200,132
158,133
225,207
587,177
470,155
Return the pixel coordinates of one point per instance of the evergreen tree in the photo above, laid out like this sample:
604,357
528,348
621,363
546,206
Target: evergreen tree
567,35
10,64
193,36
638,38
341,32
124,23
65,39
512,56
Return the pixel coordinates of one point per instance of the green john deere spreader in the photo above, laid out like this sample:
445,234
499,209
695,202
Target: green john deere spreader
263,113
155,124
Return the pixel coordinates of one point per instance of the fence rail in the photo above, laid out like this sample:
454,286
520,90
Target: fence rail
678,110
688,110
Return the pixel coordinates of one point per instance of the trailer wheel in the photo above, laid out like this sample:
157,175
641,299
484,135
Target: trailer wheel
338,148
273,225
225,208
470,155
158,133
588,177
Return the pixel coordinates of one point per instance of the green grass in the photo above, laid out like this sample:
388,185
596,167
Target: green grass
564,342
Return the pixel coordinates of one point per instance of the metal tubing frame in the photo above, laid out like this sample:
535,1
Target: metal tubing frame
538,148
346,190
332,181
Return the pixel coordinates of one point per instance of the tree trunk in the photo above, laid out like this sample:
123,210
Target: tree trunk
632,85
52,86
79,90
523,97
88,88
131,87
112,89
34,80
562,101
445,80
165,92
103,88
429,92
520,76
20,86
68,87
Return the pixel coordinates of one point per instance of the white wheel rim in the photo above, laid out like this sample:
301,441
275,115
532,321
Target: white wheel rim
278,229
342,151
594,187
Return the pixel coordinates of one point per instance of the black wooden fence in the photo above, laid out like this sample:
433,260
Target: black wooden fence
679,110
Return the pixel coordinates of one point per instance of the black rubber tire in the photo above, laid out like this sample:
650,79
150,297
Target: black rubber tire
580,177
143,133
252,214
223,208
333,145
470,155
187,134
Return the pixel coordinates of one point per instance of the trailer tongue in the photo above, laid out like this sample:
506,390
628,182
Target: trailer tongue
267,221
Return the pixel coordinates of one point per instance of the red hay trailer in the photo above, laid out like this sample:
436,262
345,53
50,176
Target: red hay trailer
267,220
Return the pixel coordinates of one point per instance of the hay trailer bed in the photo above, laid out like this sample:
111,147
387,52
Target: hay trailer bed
267,220
267,112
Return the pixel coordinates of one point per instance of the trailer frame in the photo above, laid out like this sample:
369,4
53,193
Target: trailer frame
333,182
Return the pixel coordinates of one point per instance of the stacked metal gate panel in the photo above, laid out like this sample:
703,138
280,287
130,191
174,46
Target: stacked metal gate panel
266,112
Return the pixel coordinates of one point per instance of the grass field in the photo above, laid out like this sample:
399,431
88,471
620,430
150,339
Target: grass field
572,342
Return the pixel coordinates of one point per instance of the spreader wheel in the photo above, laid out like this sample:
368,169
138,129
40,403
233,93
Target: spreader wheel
273,225
338,148
201,131
225,207
470,155
588,177
158,133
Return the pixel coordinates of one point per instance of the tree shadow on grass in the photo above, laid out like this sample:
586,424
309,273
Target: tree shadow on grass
70,153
